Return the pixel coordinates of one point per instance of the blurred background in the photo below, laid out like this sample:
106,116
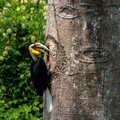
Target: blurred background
22,22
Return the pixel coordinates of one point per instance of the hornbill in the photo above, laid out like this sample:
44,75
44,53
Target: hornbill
39,72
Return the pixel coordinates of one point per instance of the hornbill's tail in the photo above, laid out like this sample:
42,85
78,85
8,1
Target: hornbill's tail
48,100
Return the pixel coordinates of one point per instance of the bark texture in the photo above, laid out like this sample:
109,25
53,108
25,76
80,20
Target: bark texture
84,39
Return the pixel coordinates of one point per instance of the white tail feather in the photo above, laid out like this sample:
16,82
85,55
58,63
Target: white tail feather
48,100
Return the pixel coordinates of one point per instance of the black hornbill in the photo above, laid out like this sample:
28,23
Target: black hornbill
39,72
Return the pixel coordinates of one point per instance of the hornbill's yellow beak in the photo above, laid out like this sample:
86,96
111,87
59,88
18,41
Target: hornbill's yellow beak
41,48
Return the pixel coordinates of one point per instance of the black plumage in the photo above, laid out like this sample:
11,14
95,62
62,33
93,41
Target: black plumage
40,75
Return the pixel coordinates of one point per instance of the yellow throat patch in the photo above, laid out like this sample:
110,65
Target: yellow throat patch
35,52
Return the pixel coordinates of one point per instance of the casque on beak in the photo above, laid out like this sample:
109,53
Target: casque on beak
40,47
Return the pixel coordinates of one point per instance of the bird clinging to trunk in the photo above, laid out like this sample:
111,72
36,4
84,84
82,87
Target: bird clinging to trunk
39,72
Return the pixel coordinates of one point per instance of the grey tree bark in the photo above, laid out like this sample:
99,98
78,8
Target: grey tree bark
83,36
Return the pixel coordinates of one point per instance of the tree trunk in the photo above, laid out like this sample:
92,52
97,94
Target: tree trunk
83,36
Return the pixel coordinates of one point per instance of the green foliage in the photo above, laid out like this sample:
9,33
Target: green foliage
2,3
21,23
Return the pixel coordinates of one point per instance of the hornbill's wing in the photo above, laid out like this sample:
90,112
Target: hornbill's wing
39,75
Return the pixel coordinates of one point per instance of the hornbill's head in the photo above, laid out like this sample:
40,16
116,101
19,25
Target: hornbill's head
36,49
